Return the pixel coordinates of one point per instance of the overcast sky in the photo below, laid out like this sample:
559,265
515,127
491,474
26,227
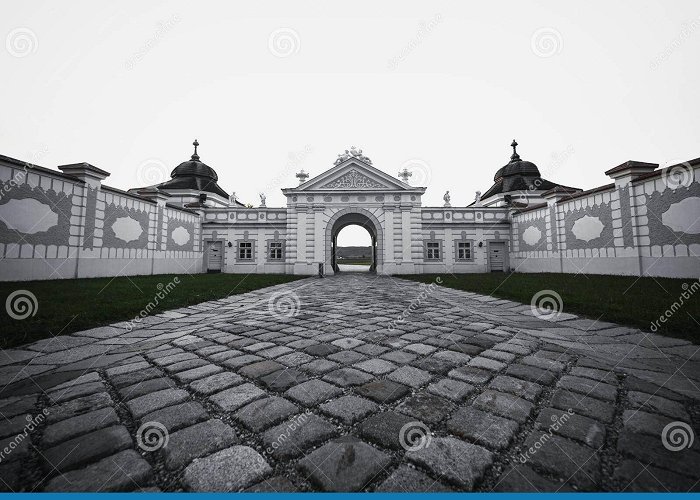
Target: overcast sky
271,87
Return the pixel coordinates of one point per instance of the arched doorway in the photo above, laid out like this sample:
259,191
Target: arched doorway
358,217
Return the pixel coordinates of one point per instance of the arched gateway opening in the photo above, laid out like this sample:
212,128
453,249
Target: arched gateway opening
358,217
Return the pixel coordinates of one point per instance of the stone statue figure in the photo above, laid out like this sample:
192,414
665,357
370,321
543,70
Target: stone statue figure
233,197
262,199
447,198
477,197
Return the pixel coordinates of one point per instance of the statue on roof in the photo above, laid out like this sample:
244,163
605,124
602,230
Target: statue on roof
447,199
352,153
262,200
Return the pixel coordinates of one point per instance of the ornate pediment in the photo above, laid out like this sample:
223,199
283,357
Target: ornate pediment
354,179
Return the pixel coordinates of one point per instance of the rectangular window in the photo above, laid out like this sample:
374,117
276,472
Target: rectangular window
433,250
245,250
275,250
464,250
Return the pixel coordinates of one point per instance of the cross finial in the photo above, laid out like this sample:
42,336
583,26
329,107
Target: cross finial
515,156
195,156
405,174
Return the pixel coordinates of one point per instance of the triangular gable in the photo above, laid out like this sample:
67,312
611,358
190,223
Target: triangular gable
354,174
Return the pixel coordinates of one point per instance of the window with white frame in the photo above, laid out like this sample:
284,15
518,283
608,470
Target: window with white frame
464,250
432,250
245,250
275,250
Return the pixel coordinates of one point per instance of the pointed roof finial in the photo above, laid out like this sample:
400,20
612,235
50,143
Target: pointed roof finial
515,156
195,156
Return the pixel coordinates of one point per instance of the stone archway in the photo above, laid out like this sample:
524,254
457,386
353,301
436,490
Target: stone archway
360,217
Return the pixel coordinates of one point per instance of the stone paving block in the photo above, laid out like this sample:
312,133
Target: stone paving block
178,416
531,374
291,438
588,387
185,365
124,471
132,378
146,387
347,377
399,357
420,349
636,384
349,409
319,366
375,366
62,395
236,397
484,428
410,376
347,357
600,375
78,425
347,343
78,407
583,405
657,404
231,469
274,352
276,484
282,380
513,348
453,390
345,464
260,369
406,479
563,458
383,391
321,349
644,423
155,401
651,451
487,364
543,363
215,383
197,441
10,474
633,476
502,356
517,387
458,462
371,349
471,375
197,373
258,346
426,407
295,359
13,449
505,405
522,479
266,412
240,361
386,428
583,429
86,448
313,392
222,356
434,365
175,358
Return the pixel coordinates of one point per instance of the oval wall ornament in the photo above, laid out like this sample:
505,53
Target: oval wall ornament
683,216
532,235
28,216
127,229
180,236
587,228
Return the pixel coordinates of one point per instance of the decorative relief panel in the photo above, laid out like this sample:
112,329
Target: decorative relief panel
532,235
125,227
182,235
672,216
684,216
587,228
354,180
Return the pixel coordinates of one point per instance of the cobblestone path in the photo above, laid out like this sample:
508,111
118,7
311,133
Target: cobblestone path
352,383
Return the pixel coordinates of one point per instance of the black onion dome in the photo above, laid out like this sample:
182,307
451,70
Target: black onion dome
516,166
195,175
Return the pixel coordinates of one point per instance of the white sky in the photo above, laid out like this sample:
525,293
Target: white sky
128,85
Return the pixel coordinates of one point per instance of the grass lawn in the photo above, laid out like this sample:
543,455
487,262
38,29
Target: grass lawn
66,306
627,300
